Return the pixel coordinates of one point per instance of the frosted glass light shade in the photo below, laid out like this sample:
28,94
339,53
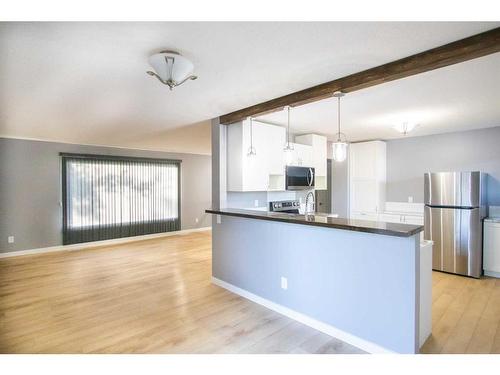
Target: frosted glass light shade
181,67
288,155
339,151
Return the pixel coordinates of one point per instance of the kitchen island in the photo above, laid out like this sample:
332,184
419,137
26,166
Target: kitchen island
356,280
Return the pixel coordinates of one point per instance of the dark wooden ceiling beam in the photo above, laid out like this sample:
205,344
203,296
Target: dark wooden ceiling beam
456,52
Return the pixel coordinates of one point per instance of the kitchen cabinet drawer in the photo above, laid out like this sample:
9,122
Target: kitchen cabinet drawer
491,249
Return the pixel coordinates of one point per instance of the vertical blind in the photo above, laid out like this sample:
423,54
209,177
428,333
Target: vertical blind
110,197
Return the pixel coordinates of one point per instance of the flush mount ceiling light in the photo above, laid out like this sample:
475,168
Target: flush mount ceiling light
171,68
339,147
288,149
405,127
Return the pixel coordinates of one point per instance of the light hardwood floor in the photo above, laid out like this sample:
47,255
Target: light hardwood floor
155,296
152,296
465,315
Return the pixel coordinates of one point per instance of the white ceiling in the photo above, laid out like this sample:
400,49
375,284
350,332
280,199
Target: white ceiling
86,82
464,96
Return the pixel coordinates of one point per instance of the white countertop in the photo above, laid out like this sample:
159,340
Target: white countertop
492,219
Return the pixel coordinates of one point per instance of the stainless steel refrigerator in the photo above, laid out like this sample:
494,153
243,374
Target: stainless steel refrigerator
453,219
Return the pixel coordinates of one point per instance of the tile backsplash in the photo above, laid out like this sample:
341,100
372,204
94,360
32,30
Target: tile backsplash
404,207
494,211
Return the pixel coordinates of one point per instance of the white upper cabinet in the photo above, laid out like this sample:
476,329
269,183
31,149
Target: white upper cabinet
262,172
317,156
301,155
266,170
367,177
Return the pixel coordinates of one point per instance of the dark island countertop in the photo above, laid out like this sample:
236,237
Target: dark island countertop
324,220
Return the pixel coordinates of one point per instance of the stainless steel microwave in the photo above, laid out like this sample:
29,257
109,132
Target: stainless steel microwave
299,178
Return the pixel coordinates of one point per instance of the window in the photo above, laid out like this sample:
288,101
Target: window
107,197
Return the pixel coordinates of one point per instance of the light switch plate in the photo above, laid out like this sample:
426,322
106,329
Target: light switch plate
410,199
10,239
256,203
218,219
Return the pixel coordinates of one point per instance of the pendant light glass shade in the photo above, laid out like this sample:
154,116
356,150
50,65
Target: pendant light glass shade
339,147
288,149
339,151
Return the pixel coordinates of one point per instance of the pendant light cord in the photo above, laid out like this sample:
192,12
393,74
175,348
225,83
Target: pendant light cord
288,123
338,115
251,134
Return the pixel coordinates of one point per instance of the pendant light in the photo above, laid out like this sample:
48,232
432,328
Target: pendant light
339,147
251,150
288,149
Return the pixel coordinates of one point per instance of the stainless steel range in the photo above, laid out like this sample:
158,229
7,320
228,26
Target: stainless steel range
290,207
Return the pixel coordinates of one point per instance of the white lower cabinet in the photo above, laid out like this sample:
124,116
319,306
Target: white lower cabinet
402,218
364,216
390,218
491,248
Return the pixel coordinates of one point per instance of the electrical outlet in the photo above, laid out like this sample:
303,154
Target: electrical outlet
218,219
196,220
10,239
410,199
256,203
284,283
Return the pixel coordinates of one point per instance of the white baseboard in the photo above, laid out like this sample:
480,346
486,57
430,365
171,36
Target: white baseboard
90,245
492,274
360,343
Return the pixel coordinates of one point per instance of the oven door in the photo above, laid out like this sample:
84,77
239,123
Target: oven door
299,178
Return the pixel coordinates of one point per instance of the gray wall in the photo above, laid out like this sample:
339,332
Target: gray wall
362,283
409,158
30,189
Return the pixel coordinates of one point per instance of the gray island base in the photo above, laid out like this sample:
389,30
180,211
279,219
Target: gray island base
358,286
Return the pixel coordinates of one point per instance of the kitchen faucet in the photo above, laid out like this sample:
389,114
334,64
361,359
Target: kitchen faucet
310,194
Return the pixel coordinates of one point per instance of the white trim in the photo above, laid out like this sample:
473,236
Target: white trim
90,245
492,274
360,343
